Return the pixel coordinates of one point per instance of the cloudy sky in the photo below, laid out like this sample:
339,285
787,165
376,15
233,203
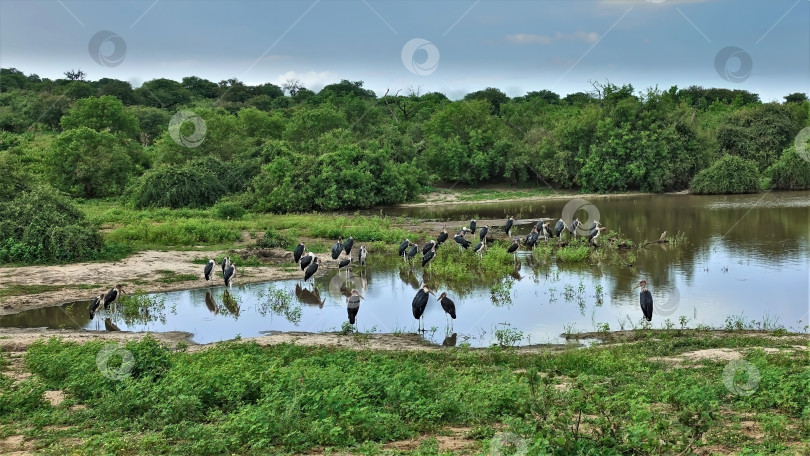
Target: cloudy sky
452,47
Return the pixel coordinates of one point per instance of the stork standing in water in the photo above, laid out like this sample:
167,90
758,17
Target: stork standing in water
105,299
208,269
229,274
646,300
448,306
337,248
403,246
419,303
306,260
347,247
353,306
299,250
508,227
311,269
95,304
344,263
363,255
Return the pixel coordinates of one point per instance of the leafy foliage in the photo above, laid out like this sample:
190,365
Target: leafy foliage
730,174
177,187
791,172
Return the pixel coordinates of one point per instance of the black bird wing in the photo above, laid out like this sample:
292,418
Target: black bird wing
508,226
94,305
306,261
427,247
110,297
352,311
558,228
344,263
298,252
646,304
412,251
311,269
449,306
347,247
404,245
513,247
207,271
336,249
419,303
441,238
427,257
483,233
229,273
478,246
472,226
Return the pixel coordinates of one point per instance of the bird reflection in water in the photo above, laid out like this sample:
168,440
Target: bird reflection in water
210,303
110,326
230,303
409,277
450,341
305,296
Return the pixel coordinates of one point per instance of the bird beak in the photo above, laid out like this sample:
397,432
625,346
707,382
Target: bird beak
637,285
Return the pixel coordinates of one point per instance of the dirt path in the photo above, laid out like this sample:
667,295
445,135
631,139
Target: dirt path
80,281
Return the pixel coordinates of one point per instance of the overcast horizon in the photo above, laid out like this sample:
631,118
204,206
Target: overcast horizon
453,47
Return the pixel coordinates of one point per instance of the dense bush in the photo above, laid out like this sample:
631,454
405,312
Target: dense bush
177,187
791,172
730,174
41,225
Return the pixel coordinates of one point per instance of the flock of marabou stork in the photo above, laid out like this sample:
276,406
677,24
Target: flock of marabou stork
309,263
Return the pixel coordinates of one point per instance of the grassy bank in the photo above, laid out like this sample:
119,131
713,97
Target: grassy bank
650,396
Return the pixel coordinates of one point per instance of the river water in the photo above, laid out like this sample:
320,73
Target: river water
743,258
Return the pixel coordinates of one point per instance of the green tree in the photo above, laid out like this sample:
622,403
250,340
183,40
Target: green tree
105,113
88,163
199,87
118,89
162,93
730,174
310,123
791,171
492,95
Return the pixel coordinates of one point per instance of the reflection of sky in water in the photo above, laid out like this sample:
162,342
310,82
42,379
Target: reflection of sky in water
765,252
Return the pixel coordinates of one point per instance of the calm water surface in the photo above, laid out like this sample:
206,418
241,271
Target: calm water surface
744,255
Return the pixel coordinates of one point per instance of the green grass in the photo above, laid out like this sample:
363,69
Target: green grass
495,194
240,398
167,276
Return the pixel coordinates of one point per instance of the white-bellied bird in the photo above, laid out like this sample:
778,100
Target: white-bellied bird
208,268
353,306
361,257
483,234
311,269
97,301
229,274
347,247
559,228
479,249
112,296
595,234
337,248
299,250
574,225
645,298
226,261
306,260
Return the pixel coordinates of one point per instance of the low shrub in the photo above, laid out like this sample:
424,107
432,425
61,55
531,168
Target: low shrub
730,174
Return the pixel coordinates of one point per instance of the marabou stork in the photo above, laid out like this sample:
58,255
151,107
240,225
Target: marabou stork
210,303
645,298
483,234
226,261
412,252
574,226
311,269
344,263
299,250
428,247
559,228
473,224
306,260
403,246
479,249
353,306
429,256
531,238
442,236
547,233
594,225
112,296
448,305
229,274
97,301
462,243
514,247
337,248
347,247
420,302
595,234
208,268
508,227
361,257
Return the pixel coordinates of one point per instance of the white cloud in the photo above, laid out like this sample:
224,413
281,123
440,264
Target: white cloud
312,80
529,38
